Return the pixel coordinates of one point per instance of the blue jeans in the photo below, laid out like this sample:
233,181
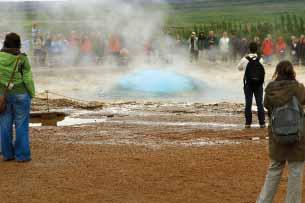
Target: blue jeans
294,186
267,59
17,112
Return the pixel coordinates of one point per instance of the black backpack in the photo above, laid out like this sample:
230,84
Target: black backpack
255,72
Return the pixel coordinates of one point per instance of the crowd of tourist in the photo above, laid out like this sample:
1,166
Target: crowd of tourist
79,48
233,47
72,49
75,48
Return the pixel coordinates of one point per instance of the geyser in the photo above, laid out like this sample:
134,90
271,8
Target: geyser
158,82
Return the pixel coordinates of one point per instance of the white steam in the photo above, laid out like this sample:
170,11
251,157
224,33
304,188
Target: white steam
137,22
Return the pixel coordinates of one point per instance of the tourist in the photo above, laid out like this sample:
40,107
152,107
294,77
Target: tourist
25,47
49,49
74,48
302,50
86,50
253,84
280,48
18,100
54,50
38,50
193,47
299,49
98,47
201,43
178,41
212,46
294,50
114,47
243,47
268,49
258,42
63,46
234,46
35,31
224,47
279,93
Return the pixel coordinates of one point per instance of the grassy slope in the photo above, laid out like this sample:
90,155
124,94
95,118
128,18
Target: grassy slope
187,12
195,12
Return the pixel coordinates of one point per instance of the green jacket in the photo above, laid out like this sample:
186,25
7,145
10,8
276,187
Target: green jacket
23,80
277,94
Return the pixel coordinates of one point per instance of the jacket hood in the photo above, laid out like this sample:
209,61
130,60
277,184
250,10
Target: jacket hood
7,59
281,92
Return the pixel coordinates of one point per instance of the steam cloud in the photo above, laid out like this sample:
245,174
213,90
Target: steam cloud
137,22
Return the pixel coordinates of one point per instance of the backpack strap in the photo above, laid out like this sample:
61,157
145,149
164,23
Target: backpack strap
7,87
252,59
249,58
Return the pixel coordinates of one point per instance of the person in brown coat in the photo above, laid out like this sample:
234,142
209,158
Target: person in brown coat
279,92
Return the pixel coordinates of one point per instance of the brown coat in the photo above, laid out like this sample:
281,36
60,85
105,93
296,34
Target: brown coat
278,93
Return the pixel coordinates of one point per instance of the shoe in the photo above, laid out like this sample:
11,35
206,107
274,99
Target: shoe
8,159
262,126
247,126
23,161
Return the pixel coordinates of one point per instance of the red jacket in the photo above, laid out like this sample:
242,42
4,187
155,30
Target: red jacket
86,46
114,44
268,48
280,47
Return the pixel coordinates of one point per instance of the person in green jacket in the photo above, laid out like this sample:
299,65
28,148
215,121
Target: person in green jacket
18,100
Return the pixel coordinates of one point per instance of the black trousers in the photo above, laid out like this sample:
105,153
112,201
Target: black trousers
194,55
258,94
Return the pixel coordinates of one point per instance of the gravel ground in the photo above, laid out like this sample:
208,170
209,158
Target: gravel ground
141,152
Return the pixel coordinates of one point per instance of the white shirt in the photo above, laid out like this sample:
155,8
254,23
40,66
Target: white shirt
242,65
224,44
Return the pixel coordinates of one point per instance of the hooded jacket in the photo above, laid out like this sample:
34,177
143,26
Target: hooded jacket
278,93
23,80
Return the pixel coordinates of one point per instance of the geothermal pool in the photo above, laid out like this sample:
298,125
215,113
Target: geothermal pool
207,83
145,83
159,82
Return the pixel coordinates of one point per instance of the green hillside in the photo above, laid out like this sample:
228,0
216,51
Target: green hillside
186,13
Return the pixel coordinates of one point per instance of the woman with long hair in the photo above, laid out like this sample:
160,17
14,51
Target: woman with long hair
18,100
278,93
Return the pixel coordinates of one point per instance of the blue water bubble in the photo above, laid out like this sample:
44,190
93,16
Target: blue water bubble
159,82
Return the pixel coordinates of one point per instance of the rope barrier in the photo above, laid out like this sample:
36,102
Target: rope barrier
63,96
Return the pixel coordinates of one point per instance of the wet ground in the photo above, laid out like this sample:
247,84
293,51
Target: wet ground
115,149
217,84
141,152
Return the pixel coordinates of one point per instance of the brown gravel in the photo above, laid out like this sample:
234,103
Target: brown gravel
115,162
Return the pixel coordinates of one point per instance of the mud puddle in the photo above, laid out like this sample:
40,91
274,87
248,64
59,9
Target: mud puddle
69,121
